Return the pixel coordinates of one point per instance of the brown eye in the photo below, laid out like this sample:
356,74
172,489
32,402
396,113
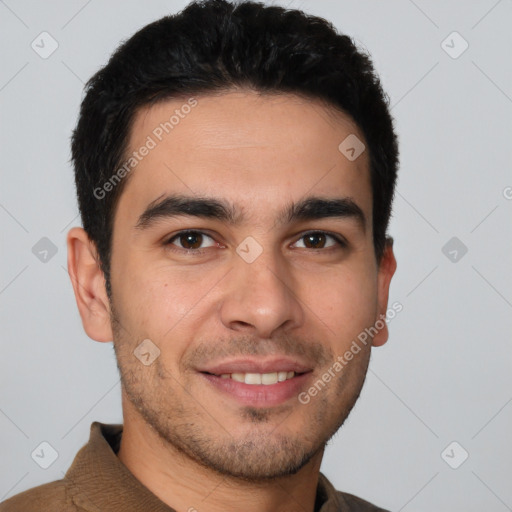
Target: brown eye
191,240
314,240
319,240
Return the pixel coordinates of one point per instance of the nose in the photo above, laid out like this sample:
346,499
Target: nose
259,297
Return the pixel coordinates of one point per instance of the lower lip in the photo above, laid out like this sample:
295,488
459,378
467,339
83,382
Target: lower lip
260,395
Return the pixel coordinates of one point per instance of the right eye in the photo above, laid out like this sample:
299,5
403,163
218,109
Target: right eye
191,240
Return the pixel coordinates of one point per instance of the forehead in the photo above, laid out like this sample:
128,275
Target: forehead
254,150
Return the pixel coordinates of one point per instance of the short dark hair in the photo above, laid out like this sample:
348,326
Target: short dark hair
214,46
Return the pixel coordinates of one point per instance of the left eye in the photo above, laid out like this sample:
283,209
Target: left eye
318,240
192,240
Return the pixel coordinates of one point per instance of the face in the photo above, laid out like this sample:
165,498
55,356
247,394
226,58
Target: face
243,250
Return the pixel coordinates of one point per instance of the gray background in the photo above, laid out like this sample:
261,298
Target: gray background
444,376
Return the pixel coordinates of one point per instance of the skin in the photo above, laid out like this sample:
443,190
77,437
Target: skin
189,443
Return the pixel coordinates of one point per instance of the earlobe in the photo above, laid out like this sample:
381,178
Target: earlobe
88,283
387,268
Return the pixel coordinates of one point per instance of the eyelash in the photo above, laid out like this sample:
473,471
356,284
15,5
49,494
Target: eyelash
341,243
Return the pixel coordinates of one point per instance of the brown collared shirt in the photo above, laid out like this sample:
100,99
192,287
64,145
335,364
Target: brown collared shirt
98,481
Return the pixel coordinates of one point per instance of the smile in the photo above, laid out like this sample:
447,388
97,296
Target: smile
266,379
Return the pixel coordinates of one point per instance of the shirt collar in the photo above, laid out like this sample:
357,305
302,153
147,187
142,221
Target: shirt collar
98,480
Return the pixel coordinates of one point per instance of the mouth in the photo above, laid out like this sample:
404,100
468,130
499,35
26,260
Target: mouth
266,379
258,383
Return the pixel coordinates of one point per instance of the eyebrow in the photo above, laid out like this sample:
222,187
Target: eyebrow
311,208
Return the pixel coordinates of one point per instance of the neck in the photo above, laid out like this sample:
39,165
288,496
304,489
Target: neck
185,485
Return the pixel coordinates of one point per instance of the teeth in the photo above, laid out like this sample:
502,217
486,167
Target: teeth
268,378
253,378
259,378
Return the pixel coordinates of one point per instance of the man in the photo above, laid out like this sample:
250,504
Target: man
235,168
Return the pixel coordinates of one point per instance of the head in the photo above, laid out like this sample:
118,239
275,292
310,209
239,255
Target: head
232,123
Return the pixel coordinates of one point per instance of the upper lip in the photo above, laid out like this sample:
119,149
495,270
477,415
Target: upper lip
253,365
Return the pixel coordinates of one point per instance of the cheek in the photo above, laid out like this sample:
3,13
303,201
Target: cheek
345,301
165,301
153,299
168,305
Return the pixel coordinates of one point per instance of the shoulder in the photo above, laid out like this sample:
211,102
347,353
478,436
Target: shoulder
352,503
337,501
51,497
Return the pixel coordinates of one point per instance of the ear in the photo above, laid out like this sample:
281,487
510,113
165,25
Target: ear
88,283
387,268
